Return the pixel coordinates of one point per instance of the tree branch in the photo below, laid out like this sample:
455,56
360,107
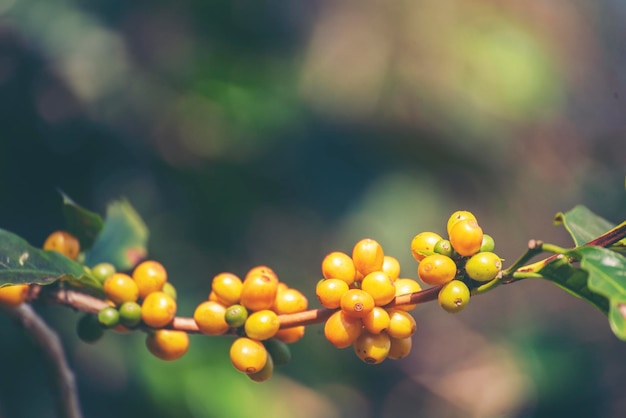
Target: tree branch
48,341
86,303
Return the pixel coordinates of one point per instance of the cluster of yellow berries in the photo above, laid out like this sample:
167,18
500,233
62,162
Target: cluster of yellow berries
360,289
250,308
362,286
459,263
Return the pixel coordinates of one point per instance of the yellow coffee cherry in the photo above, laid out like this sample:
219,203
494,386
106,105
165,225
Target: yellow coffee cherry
290,335
247,355
14,295
167,344
401,324
290,301
338,265
466,237
330,291
262,325
259,289
158,309
423,244
150,276
380,287
210,318
227,288
372,348
376,321
458,216
405,286
357,303
120,288
391,267
342,330
436,269
368,256
63,242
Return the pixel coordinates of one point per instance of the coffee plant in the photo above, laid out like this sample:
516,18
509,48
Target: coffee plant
100,266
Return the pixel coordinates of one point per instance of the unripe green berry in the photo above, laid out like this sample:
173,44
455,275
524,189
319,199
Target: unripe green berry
103,270
169,289
130,314
278,350
454,296
488,244
483,266
236,316
109,317
444,247
89,329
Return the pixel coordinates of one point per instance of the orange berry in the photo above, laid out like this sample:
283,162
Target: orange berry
210,318
372,348
158,309
401,324
261,325
376,321
167,344
368,256
357,303
406,286
338,265
466,237
259,289
342,330
247,355
227,288
458,216
330,291
13,295
63,242
380,286
150,276
120,288
391,267
290,301
290,335
423,244
436,269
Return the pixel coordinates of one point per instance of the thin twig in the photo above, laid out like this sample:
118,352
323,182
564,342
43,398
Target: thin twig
86,303
48,341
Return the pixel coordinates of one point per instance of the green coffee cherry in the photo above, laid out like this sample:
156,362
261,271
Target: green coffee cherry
278,350
102,271
236,316
444,247
488,244
89,329
109,317
483,266
130,314
169,289
454,296
265,373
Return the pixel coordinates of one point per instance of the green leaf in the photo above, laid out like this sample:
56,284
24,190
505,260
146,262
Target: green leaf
123,239
582,224
574,280
22,263
82,223
607,277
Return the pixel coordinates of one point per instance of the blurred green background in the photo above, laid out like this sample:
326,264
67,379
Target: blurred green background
266,132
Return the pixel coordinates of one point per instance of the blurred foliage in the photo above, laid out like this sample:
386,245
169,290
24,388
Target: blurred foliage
257,132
